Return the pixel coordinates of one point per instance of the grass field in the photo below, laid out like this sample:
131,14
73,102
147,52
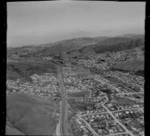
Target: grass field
79,94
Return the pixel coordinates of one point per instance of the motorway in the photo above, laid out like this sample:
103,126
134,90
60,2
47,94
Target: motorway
64,105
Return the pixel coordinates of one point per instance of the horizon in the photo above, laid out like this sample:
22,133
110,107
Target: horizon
73,39
35,23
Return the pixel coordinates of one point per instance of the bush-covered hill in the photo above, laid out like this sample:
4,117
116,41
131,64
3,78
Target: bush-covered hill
135,65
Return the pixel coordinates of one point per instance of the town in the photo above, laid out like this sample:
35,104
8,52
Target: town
107,104
42,85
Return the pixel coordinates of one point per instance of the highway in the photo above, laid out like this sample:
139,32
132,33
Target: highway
64,107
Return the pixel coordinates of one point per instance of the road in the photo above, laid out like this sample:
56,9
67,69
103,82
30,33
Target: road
64,107
89,127
116,120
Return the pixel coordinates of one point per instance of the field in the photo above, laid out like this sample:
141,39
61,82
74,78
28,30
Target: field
136,65
79,94
32,115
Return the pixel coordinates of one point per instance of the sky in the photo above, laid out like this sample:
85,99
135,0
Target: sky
34,23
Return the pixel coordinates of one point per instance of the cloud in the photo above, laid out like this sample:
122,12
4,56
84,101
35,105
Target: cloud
33,32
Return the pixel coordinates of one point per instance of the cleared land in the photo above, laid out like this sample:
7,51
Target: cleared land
24,69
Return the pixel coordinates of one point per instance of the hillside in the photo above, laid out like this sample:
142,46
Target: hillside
31,115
